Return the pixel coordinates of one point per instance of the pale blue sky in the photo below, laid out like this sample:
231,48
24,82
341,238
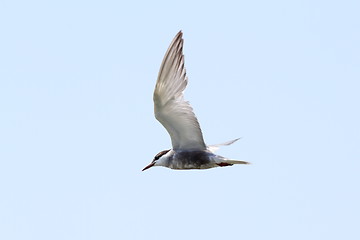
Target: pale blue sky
77,124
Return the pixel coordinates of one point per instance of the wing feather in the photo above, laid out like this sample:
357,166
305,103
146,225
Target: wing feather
170,108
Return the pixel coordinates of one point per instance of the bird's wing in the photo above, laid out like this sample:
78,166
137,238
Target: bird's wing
215,147
171,110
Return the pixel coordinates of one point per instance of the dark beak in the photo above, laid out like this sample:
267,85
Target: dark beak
149,166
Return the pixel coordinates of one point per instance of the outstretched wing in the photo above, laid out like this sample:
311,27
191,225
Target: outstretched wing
171,110
215,147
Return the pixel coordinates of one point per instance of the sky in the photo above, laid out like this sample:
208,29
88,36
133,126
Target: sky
77,123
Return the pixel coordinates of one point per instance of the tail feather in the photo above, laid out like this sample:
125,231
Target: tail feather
222,162
236,162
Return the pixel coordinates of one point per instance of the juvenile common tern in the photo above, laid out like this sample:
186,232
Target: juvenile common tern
189,150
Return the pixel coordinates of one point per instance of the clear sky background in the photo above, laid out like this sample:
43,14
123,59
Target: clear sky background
77,124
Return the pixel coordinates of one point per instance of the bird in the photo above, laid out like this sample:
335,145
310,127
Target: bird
189,150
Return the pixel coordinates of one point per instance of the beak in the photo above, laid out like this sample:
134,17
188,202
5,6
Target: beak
149,166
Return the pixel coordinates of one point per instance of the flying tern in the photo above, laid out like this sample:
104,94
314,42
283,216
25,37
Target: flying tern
189,150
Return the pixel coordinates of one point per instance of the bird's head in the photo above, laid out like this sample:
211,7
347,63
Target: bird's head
158,160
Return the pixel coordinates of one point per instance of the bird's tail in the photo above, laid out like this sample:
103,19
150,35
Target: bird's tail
230,161
222,162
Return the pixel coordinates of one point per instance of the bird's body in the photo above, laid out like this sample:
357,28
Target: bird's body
196,159
176,115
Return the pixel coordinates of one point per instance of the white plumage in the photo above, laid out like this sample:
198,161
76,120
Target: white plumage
174,113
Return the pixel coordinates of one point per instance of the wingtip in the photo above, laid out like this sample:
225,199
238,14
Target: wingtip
179,34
